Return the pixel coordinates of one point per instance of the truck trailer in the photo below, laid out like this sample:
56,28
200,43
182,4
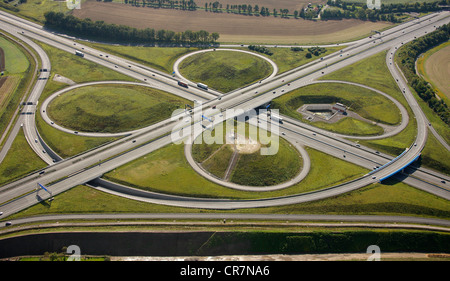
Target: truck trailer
276,118
80,54
203,86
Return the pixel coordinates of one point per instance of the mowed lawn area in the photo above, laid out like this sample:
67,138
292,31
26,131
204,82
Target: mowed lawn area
113,108
20,160
225,70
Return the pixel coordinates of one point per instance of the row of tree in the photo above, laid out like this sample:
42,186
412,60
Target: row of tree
361,14
187,5
121,33
386,12
260,49
347,10
408,55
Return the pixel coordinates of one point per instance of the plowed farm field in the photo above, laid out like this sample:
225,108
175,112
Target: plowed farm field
232,28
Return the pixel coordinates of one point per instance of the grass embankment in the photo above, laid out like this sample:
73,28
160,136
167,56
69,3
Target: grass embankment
286,59
17,77
395,198
261,170
254,240
79,69
251,167
309,242
19,161
64,144
160,58
225,70
34,10
366,103
112,108
16,60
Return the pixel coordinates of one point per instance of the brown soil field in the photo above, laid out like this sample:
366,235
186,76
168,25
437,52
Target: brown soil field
437,67
271,4
7,86
232,28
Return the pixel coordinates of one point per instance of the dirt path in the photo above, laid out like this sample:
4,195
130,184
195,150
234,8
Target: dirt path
232,164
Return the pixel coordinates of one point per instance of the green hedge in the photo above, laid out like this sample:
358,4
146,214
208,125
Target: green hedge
327,242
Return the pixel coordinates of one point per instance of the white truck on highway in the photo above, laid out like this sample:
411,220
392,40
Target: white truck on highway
78,53
203,86
276,118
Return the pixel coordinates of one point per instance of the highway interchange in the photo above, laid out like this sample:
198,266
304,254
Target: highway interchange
88,167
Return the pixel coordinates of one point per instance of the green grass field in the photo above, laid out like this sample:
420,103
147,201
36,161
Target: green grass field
366,103
435,155
225,70
352,127
64,144
20,160
286,59
395,198
78,69
252,169
113,108
18,77
218,163
161,58
35,9
265,170
373,72
16,61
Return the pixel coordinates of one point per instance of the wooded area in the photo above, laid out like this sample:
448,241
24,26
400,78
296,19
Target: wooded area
121,33
408,55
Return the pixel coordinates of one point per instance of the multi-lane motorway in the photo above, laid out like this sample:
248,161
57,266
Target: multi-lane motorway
65,174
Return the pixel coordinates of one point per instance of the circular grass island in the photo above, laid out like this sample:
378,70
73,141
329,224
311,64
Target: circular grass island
112,108
225,70
240,159
367,113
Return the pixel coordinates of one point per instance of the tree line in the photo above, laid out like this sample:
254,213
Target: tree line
122,33
386,12
316,51
260,49
186,5
408,55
